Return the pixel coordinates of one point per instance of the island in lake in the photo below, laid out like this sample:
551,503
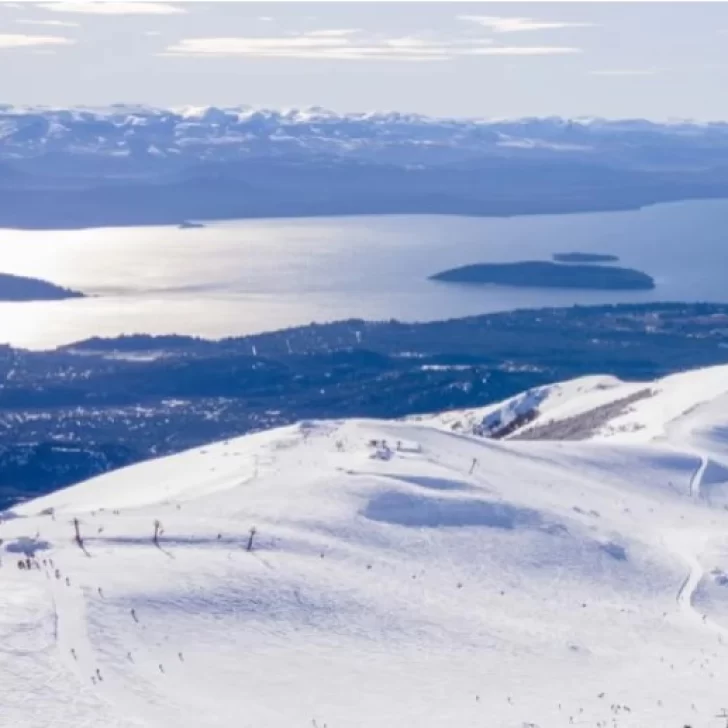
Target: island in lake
584,258
544,274
20,288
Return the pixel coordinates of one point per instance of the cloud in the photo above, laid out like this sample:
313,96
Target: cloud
333,33
152,33
8,40
626,72
309,46
500,24
55,23
302,47
266,18
243,46
339,45
524,51
114,8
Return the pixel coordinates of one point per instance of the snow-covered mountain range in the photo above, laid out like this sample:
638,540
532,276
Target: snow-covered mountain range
124,132
390,573
136,165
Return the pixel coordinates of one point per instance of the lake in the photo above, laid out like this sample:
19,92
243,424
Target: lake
248,276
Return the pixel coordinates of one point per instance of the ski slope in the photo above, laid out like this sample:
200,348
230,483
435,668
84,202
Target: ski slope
604,407
401,574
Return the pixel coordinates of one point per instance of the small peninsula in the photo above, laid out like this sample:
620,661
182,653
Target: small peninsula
544,274
584,258
20,288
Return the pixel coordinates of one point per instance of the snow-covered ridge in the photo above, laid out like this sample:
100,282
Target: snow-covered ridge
365,573
127,113
594,408
227,133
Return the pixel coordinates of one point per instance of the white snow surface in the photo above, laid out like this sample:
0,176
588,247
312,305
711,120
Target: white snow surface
549,403
663,405
439,580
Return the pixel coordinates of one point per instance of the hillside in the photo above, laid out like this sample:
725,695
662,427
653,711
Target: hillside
71,414
21,288
400,573
602,408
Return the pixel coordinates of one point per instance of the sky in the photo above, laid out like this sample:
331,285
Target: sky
508,59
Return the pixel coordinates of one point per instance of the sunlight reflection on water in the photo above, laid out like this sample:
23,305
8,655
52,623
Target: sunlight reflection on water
248,276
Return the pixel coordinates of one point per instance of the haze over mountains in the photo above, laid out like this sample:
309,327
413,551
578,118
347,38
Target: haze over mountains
137,165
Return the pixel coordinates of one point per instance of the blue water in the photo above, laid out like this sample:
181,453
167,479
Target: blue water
256,275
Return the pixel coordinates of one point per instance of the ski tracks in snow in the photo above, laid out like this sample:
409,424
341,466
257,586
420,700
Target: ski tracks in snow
687,546
71,631
696,480
76,650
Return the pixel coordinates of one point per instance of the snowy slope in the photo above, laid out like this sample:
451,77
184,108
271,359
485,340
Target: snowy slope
552,402
595,407
439,580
